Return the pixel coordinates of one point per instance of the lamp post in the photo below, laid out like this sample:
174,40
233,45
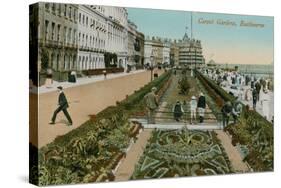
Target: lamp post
152,63
151,67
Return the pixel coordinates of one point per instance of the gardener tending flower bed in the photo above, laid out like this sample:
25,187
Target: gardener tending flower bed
182,153
91,152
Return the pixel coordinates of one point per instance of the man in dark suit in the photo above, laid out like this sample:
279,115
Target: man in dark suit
63,105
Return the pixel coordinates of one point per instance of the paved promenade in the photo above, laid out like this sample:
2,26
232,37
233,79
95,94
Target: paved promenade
84,99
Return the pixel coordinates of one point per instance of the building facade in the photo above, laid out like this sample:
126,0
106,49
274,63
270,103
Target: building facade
92,34
77,37
174,53
190,52
140,50
57,36
117,33
154,51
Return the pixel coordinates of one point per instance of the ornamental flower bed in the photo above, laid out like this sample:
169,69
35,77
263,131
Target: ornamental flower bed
181,153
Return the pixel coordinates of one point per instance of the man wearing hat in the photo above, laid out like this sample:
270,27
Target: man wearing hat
226,112
63,105
201,107
151,103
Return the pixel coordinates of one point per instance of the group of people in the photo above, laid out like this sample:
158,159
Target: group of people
195,106
249,88
151,102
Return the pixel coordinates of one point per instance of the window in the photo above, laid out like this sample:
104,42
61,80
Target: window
58,34
83,19
69,35
86,21
59,9
65,34
69,13
80,18
53,31
47,6
53,8
90,40
74,36
58,61
65,10
79,37
46,29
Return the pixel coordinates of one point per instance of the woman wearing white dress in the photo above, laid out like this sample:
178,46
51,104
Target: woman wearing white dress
193,106
265,104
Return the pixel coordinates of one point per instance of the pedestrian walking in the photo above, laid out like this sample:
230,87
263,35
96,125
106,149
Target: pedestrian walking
193,105
178,111
151,103
201,107
62,106
104,73
258,88
226,112
254,97
265,102
236,110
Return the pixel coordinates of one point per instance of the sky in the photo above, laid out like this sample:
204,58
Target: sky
231,44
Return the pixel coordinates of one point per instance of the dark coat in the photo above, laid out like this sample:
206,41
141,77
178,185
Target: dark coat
62,101
226,109
201,102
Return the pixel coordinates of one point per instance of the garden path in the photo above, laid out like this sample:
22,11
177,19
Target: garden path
127,166
233,154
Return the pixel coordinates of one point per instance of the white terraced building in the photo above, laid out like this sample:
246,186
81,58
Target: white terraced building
76,37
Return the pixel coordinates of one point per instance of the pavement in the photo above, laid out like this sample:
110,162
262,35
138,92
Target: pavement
178,125
80,81
84,100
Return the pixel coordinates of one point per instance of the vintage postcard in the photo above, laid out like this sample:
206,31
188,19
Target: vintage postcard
121,94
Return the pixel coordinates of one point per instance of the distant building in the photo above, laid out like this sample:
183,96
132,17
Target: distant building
190,51
174,54
139,48
212,63
153,51
166,53
178,52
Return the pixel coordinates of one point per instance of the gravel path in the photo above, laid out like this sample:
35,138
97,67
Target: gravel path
127,166
233,155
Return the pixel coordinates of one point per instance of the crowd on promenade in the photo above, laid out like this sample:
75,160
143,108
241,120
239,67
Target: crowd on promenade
249,89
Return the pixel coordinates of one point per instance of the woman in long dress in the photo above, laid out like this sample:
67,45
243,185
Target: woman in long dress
265,104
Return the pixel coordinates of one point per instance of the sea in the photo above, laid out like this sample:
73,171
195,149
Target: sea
258,70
